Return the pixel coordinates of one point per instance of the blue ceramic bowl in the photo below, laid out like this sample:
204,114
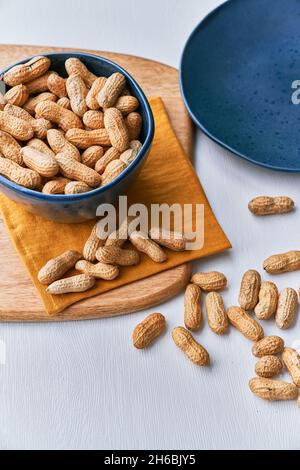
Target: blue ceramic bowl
81,207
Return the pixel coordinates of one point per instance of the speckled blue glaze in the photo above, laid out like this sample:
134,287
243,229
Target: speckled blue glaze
81,207
236,73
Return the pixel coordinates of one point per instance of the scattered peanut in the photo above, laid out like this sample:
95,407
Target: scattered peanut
175,241
192,307
149,247
117,256
246,325
270,345
55,268
249,290
287,308
80,283
268,366
268,299
216,313
193,350
282,263
211,281
291,360
102,230
273,390
92,244
99,270
265,205
148,330
118,237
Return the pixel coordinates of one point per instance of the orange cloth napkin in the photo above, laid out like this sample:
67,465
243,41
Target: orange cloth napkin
167,177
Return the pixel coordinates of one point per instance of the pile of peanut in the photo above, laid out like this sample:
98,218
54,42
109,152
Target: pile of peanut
103,254
256,296
66,136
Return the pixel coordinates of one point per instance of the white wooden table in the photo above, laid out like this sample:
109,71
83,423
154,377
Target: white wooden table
82,385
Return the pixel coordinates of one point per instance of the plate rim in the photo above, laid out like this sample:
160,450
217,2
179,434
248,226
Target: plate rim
196,120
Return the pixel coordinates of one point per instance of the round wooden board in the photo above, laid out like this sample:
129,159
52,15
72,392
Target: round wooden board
19,300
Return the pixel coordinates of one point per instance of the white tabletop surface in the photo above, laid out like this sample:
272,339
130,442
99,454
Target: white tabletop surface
83,385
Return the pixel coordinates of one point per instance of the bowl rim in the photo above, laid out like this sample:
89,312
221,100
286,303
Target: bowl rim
142,153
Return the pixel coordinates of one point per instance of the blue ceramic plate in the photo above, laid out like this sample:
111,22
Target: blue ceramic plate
236,75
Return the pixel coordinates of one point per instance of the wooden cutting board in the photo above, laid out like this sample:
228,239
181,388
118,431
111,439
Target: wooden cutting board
18,298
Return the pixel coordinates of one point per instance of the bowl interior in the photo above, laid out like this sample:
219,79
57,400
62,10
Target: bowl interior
100,66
